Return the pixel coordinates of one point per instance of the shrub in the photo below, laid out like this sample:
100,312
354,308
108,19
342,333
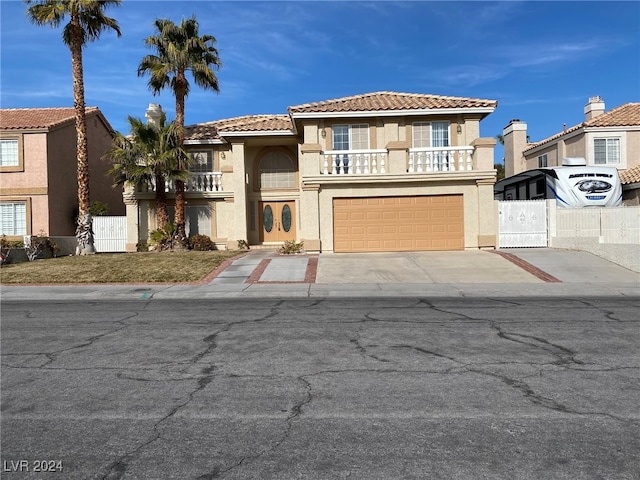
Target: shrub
6,246
163,239
202,243
243,245
291,247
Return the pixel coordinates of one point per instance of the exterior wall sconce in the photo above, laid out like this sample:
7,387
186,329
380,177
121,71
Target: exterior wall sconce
222,155
323,133
459,129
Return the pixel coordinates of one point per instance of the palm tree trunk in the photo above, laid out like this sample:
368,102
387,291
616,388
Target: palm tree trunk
180,217
84,230
162,213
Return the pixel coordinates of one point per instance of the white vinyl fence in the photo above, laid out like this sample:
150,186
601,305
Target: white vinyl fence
522,223
617,225
110,234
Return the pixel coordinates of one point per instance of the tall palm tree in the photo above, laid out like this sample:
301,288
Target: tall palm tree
151,154
87,21
178,49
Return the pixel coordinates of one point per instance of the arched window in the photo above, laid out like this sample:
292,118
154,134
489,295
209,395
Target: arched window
276,170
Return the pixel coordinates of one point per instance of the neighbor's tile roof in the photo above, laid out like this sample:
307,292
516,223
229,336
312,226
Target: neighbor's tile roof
248,123
631,175
37,118
385,101
627,115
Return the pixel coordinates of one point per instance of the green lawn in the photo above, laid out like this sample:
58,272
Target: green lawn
168,267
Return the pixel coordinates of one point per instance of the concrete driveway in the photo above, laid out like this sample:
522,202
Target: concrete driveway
472,266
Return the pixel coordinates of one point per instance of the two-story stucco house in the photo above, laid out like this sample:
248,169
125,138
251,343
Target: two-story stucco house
38,170
382,171
605,138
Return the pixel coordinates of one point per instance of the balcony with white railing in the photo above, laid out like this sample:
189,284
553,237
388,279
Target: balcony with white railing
198,182
440,159
398,161
354,162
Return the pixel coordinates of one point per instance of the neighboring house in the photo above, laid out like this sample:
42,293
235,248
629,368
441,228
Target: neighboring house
605,138
630,180
383,171
38,170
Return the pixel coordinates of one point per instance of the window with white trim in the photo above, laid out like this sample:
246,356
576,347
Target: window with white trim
202,161
13,218
276,170
9,152
606,151
542,161
350,137
430,134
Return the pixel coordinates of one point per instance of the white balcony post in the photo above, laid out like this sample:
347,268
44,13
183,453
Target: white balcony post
325,167
383,158
411,162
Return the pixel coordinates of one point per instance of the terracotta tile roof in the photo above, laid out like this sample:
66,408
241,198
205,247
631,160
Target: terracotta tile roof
626,115
385,101
631,175
37,118
248,123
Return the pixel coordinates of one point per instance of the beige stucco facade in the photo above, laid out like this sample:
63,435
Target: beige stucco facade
389,166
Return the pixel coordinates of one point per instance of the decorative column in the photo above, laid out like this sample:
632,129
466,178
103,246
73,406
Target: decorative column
239,182
483,153
487,217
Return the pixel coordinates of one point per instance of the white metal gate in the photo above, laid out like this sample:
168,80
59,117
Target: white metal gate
522,223
110,234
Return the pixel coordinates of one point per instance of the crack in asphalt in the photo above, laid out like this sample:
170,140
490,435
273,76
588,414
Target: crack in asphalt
564,355
119,467
295,412
363,351
52,356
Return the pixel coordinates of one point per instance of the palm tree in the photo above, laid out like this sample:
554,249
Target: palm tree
180,48
151,154
87,21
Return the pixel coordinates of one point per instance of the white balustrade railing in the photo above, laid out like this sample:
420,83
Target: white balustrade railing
354,162
197,182
440,159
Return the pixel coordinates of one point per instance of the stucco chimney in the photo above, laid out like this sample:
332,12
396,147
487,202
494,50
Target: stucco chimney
594,108
515,141
153,113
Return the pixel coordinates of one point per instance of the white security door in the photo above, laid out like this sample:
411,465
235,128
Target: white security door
522,223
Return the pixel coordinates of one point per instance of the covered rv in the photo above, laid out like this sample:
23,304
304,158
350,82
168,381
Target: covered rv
574,184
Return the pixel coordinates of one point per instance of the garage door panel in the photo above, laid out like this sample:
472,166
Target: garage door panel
399,223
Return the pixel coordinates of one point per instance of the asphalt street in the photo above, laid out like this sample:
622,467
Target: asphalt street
321,388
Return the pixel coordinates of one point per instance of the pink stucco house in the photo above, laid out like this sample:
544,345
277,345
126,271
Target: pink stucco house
38,180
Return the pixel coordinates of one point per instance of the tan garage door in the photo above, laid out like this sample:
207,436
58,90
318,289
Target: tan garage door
392,224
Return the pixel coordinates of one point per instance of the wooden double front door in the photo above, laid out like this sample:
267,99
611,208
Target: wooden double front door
277,221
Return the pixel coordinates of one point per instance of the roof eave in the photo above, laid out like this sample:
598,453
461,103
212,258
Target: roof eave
257,133
204,141
394,113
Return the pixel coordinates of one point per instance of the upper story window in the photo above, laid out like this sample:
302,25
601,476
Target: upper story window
350,137
606,151
276,170
430,134
13,218
542,161
202,161
9,156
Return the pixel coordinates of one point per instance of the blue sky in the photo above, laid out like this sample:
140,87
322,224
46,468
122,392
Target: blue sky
540,60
